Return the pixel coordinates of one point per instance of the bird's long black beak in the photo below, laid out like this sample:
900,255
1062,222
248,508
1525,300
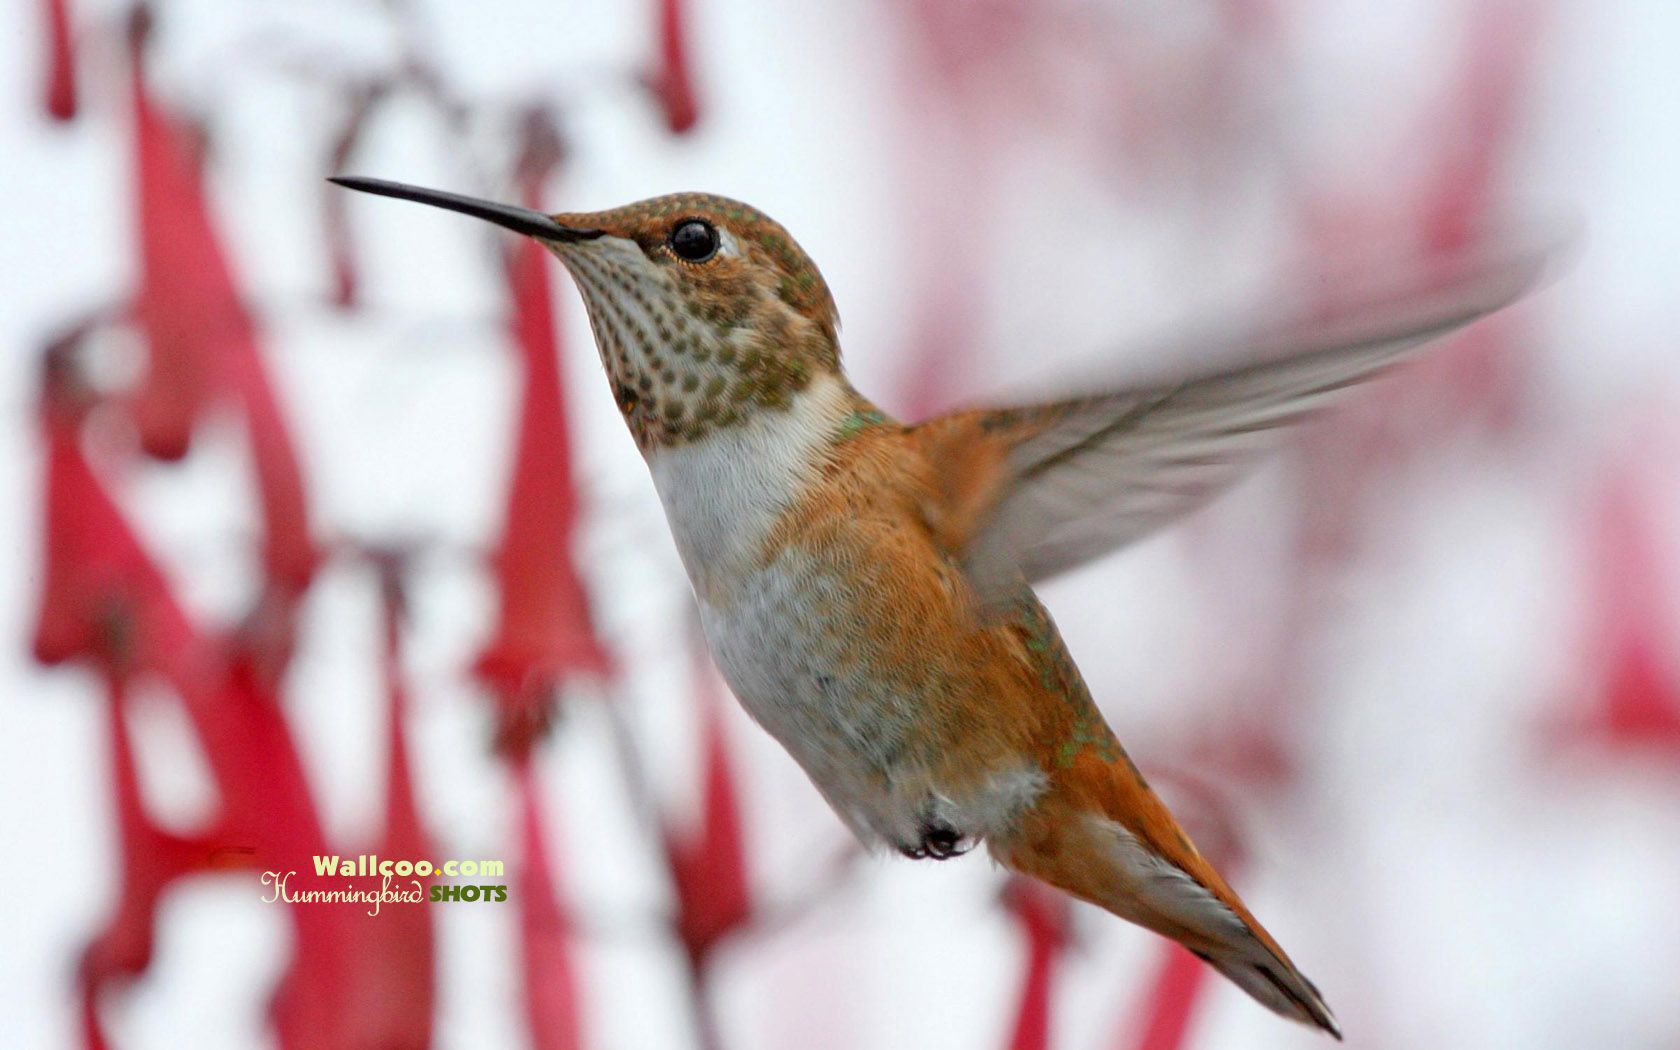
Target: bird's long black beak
519,220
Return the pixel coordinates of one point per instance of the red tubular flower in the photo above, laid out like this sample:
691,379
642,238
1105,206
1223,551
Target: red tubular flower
187,307
1639,699
544,627
551,995
104,599
1043,916
543,633
389,977
150,859
1253,745
101,596
268,805
1483,120
1173,997
200,339
1482,117
60,95
93,1036
673,83
708,866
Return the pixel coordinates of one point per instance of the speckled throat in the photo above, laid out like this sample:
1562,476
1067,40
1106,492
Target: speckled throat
692,347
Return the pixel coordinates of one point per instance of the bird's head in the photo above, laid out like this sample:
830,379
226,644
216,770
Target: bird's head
705,310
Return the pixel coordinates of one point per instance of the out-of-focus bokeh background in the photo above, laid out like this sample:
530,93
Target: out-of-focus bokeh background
322,534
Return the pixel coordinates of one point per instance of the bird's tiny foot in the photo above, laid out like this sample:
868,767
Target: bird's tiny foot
939,841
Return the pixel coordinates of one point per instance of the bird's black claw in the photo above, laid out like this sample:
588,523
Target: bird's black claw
939,841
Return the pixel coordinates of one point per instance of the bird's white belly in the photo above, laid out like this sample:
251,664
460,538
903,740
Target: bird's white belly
780,647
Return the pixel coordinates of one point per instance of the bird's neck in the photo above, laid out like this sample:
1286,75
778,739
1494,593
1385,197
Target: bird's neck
680,376
724,491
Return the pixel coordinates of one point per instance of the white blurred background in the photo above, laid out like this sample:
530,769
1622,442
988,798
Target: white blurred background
1395,663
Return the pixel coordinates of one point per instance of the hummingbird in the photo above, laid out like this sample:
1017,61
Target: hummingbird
865,585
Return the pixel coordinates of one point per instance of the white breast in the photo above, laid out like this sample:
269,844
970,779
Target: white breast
724,493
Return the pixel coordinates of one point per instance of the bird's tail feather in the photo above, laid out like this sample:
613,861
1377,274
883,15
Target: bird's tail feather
1276,984
1145,870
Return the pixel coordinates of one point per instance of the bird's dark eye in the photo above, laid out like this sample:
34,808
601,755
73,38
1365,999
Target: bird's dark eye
695,240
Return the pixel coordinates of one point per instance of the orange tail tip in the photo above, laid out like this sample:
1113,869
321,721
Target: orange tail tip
1153,877
1180,896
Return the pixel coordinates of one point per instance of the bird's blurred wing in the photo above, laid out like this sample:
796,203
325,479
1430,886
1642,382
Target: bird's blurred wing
1032,491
